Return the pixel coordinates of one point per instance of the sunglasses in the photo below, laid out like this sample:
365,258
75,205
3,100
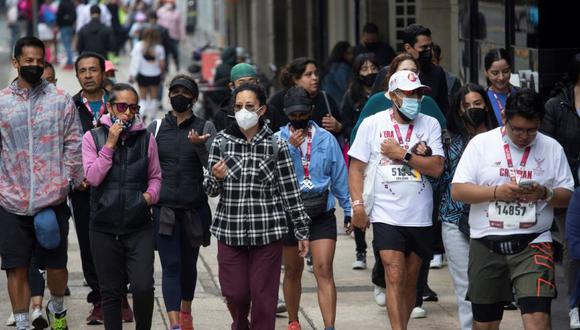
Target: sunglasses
122,107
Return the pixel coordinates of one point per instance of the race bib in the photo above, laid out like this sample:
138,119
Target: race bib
511,215
399,173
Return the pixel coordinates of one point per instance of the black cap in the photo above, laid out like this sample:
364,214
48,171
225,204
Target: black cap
297,100
190,86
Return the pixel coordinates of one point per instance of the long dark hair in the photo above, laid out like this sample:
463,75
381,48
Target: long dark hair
455,123
294,71
336,54
494,55
356,89
570,77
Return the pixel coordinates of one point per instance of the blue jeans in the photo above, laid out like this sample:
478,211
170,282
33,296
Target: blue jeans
66,34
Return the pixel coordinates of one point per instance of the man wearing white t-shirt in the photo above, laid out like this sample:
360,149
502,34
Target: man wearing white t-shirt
401,147
514,177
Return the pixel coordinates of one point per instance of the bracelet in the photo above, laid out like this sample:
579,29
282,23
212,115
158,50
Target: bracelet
357,203
494,191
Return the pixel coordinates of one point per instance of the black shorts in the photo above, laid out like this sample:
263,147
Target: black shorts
18,241
146,81
321,227
404,239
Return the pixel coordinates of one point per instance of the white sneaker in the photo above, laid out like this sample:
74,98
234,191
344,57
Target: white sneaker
38,321
436,262
380,296
11,322
281,307
418,313
360,262
574,318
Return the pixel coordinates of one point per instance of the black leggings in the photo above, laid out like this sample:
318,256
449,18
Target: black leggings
116,259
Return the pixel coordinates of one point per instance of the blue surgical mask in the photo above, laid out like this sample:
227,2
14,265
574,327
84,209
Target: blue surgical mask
410,107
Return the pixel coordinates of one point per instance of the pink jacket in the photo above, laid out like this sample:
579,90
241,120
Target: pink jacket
97,165
172,21
40,148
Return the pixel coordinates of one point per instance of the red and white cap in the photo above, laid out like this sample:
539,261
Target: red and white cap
404,80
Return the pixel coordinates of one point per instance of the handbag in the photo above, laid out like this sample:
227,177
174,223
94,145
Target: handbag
315,203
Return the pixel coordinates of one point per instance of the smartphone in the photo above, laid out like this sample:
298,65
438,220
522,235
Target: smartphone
526,184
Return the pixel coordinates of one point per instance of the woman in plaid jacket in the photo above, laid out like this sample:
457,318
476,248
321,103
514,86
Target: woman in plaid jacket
253,173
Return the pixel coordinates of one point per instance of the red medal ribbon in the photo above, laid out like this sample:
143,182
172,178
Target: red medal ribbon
508,155
398,132
500,107
97,116
306,160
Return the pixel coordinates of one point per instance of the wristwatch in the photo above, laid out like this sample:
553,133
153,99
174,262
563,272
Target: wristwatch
549,194
407,157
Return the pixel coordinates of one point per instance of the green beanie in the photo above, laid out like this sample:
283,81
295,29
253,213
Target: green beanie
242,70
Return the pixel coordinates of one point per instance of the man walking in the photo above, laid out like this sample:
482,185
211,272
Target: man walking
40,158
95,36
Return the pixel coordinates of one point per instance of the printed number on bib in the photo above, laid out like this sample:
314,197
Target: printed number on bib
513,215
395,173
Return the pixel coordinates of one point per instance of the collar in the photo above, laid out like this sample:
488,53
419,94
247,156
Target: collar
25,92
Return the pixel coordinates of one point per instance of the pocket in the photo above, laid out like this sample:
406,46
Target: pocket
327,167
234,165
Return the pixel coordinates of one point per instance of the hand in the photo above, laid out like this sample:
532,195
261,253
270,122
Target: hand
422,149
83,186
533,194
508,192
360,219
220,170
114,133
330,123
297,138
348,228
303,248
196,138
392,149
147,197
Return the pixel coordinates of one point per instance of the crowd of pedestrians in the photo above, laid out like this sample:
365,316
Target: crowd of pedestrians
478,174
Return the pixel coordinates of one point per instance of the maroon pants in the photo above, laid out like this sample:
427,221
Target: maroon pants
250,276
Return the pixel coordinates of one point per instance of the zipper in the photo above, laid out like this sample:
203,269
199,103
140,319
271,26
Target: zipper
30,152
122,183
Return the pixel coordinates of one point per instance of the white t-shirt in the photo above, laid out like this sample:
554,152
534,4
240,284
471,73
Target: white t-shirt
484,163
398,203
139,65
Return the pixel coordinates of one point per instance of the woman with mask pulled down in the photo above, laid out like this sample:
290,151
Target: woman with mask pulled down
182,216
252,172
322,177
471,113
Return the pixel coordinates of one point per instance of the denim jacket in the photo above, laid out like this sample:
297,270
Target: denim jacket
327,167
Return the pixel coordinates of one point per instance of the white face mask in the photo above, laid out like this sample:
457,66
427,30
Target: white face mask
247,119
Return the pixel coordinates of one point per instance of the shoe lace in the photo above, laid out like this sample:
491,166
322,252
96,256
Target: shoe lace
59,323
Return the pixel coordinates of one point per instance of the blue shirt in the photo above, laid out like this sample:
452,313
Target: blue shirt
502,98
327,167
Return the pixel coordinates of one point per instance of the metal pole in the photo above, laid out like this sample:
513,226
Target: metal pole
356,21
473,34
35,18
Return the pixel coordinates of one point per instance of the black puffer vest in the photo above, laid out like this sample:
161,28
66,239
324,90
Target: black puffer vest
117,204
181,167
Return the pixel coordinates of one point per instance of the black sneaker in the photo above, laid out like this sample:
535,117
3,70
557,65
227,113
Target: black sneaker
429,295
309,265
510,307
57,321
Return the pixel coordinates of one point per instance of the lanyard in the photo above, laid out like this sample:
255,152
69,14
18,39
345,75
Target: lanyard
96,116
398,132
508,155
306,160
499,105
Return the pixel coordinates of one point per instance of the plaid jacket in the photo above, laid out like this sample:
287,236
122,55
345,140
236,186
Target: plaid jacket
258,191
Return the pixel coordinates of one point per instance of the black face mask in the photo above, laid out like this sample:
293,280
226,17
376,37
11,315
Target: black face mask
474,116
180,103
372,46
425,57
299,124
368,80
31,73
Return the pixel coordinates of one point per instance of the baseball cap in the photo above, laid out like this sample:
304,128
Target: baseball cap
47,229
109,66
297,100
404,80
242,70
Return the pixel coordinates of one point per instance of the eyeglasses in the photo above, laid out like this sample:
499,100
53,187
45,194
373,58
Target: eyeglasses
251,108
122,107
520,131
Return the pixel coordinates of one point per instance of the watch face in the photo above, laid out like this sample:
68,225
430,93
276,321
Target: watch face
408,156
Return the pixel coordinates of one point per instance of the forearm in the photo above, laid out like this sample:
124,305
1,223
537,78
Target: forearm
356,179
470,193
561,198
431,166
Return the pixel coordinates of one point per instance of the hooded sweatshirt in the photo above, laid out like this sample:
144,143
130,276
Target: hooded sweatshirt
97,165
40,147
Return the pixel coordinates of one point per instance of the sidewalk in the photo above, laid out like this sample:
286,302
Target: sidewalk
356,307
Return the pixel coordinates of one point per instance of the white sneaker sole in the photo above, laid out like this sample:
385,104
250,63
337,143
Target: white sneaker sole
359,265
